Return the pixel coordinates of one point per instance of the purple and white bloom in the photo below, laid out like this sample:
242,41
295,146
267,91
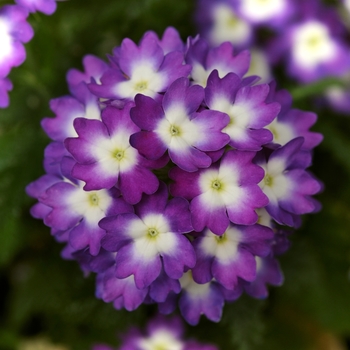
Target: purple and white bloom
259,65
176,126
170,41
246,107
140,69
198,299
5,86
268,272
219,21
14,31
338,98
161,333
291,123
287,184
106,159
48,7
94,68
204,60
268,12
122,292
162,287
67,109
231,255
314,47
225,192
79,212
74,210
151,239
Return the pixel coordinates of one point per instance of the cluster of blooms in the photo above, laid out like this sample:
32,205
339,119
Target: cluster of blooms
14,32
307,37
171,174
161,334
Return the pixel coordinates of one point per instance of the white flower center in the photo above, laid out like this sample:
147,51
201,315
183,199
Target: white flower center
312,44
92,205
5,40
224,247
161,339
282,133
151,236
115,154
219,187
176,130
275,184
193,288
228,27
144,79
262,10
240,116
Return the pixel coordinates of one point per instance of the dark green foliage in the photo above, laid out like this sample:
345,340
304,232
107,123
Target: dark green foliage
41,294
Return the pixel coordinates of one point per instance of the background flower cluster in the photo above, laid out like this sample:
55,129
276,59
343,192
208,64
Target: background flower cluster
44,295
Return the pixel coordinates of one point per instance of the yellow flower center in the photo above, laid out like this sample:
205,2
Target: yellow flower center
152,232
141,86
93,199
175,130
119,154
268,179
216,185
221,239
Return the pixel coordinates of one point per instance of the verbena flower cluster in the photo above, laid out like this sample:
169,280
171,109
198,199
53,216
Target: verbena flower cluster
307,38
172,174
161,333
14,32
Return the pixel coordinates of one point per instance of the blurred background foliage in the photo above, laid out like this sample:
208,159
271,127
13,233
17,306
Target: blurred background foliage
44,297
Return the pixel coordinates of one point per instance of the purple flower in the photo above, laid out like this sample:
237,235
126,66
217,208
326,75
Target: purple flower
160,333
67,109
246,107
93,70
122,292
219,21
171,40
204,60
79,212
287,184
106,159
176,126
5,86
151,238
223,193
314,46
291,123
268,272
140,69
231,255
45,6
339,98
197,299
14,31
72,212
